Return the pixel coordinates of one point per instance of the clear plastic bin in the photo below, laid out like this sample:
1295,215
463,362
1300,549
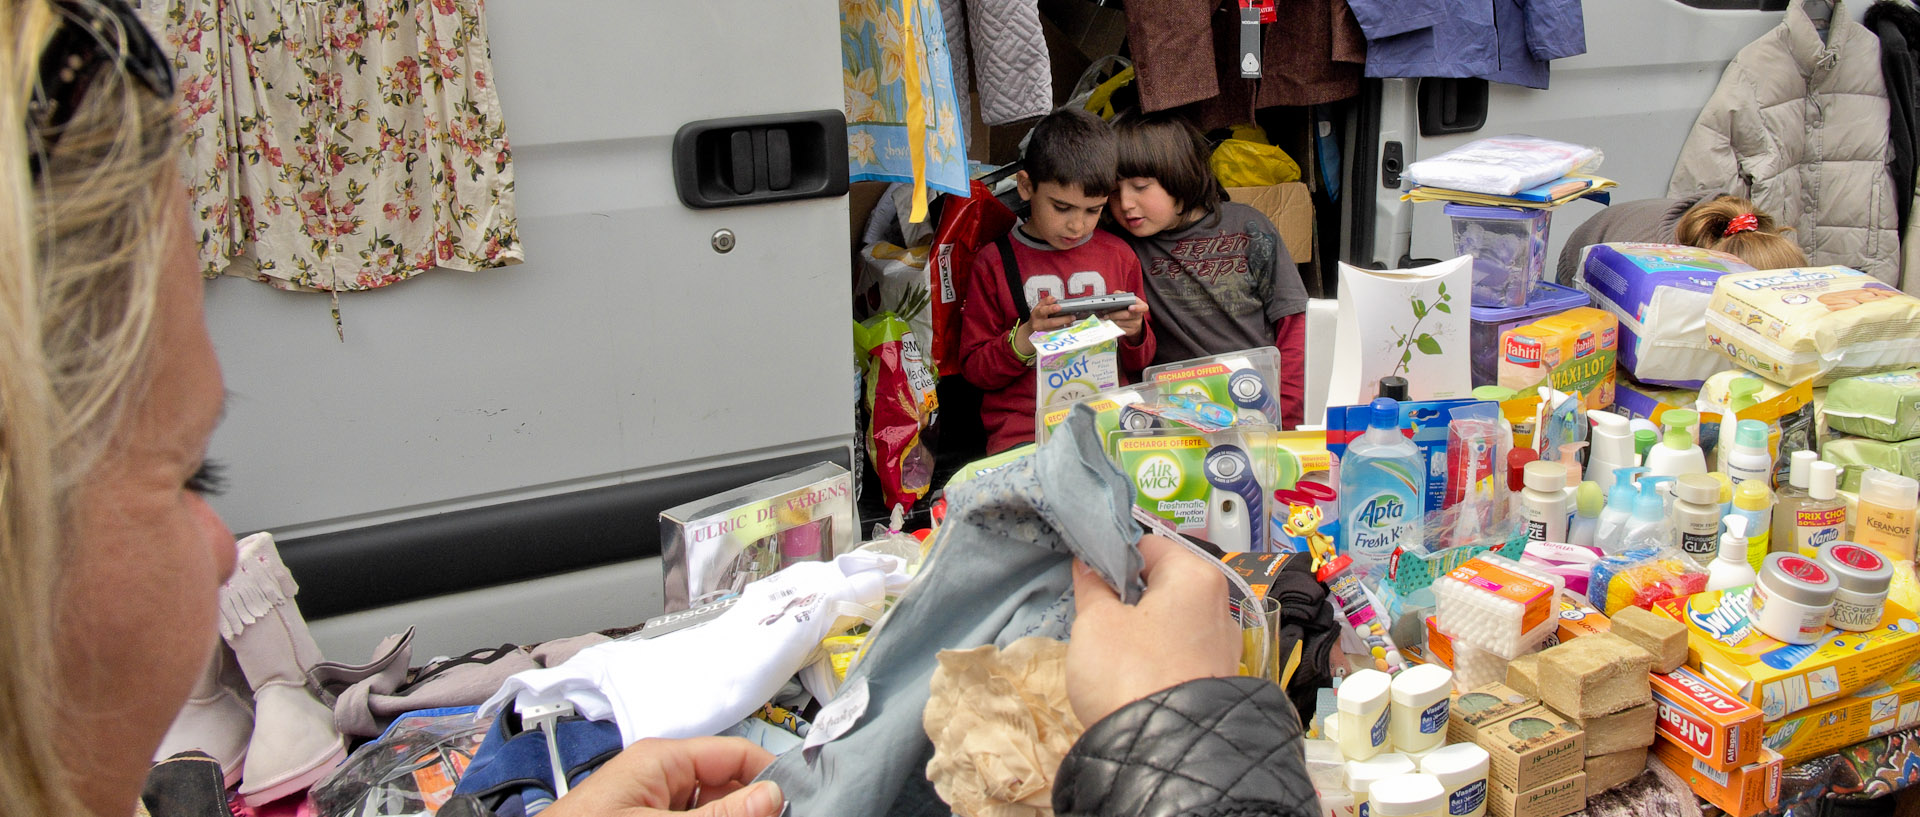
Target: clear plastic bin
1509,249
1489,321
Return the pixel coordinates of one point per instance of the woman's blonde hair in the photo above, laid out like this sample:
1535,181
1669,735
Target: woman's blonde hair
1760,244
82,236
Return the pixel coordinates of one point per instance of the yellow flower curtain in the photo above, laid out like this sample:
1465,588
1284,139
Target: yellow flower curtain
341,145
903,120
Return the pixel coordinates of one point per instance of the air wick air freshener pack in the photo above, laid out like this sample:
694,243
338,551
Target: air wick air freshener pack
1110,413
1076,362
1208,486
1248,382
714,547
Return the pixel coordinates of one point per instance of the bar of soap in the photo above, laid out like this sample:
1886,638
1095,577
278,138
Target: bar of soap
1663,638
1627,729
1595,675
1523,675
1608,771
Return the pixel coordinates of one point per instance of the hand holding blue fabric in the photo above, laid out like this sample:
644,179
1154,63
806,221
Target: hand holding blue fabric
702,776
1180,631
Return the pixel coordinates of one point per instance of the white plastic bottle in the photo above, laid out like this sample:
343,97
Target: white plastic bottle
1588,504
1363,714
1730,567
1677,453
1544,504
1613,518
1611,449
1696,514
1748,459
1380,506
1420,705
1821,517
1462,770
1788,499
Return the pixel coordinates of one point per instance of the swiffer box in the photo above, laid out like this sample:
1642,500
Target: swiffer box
1698,715
1744,792
1782,678
1881,707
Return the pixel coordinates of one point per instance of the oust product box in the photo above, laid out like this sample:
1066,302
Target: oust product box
1705,719
1780,678
1484,706
1881,707
1532,749
1556,799
714,547
1076,362
1748,791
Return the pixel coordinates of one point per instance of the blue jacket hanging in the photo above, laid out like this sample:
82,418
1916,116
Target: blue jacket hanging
1500,40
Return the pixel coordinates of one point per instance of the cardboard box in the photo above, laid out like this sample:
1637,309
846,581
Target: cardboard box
1484,706
1783,678
1881,707
1556,799
1745,792
1705,719
1290,207
1439,644
714,547
1577,619
1532,749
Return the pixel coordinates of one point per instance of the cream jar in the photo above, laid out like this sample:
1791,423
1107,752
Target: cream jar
1864,576
1793,597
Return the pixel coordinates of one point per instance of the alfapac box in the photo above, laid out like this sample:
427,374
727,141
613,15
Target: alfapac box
1709,722
715,547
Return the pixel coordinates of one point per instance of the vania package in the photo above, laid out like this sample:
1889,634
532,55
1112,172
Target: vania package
1822,323
1659,293
715,547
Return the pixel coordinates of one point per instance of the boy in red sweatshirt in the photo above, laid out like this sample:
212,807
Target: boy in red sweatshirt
1059,252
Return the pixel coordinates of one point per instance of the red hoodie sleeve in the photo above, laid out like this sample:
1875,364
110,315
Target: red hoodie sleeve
986,359
1291,339
1136,353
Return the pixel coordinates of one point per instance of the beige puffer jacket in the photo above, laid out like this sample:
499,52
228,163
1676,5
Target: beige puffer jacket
1800,127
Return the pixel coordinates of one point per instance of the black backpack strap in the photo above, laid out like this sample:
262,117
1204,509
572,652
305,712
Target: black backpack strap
1015,288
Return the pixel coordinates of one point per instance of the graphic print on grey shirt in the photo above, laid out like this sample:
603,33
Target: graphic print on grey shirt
1219,285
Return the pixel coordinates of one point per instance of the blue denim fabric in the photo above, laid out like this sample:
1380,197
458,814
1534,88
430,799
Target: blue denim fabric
1001,570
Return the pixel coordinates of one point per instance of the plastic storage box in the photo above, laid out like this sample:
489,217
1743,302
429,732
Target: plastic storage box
1489,321
1509,249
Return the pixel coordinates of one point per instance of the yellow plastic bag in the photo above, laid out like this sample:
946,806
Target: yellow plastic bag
1241,163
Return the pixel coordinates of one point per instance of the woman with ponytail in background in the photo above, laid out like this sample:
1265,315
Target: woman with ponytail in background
1726,223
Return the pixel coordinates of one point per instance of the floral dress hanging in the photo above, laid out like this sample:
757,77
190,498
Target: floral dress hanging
336,145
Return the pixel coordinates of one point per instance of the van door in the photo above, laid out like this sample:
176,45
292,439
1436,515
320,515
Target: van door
1649,66
519,429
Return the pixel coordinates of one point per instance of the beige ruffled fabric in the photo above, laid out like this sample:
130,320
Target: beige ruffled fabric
1000,724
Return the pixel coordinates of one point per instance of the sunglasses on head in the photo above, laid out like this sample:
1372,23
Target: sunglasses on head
91,38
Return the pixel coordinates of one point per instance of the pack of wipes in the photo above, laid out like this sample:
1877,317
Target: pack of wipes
1659,293
1883,406
1818,323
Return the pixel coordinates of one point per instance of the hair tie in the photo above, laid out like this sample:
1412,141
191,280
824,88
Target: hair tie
1744,222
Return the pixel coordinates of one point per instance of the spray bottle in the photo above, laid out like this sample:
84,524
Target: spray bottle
1612,448
1677,454
1730,567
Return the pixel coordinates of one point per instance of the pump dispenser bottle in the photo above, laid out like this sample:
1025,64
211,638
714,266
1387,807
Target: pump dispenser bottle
1677,454
1730,567
1649,526
1613,518
1612,448
1588,505
1788,498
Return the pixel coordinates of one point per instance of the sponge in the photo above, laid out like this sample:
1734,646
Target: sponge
1595,675
1663,638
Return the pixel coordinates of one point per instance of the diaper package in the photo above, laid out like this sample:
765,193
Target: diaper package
1821,323
1572,352
1855,455
1659,293
1883,406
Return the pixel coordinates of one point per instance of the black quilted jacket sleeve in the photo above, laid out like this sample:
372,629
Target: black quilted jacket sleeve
1215,747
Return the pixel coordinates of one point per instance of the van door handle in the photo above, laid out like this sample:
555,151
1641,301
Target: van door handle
1452,105
761,159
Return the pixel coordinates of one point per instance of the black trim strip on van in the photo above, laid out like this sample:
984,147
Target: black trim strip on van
380,565
1737,5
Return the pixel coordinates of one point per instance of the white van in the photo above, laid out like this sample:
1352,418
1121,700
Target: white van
485,454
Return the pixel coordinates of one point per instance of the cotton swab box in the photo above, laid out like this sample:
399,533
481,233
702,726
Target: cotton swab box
1474,668
1497,605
